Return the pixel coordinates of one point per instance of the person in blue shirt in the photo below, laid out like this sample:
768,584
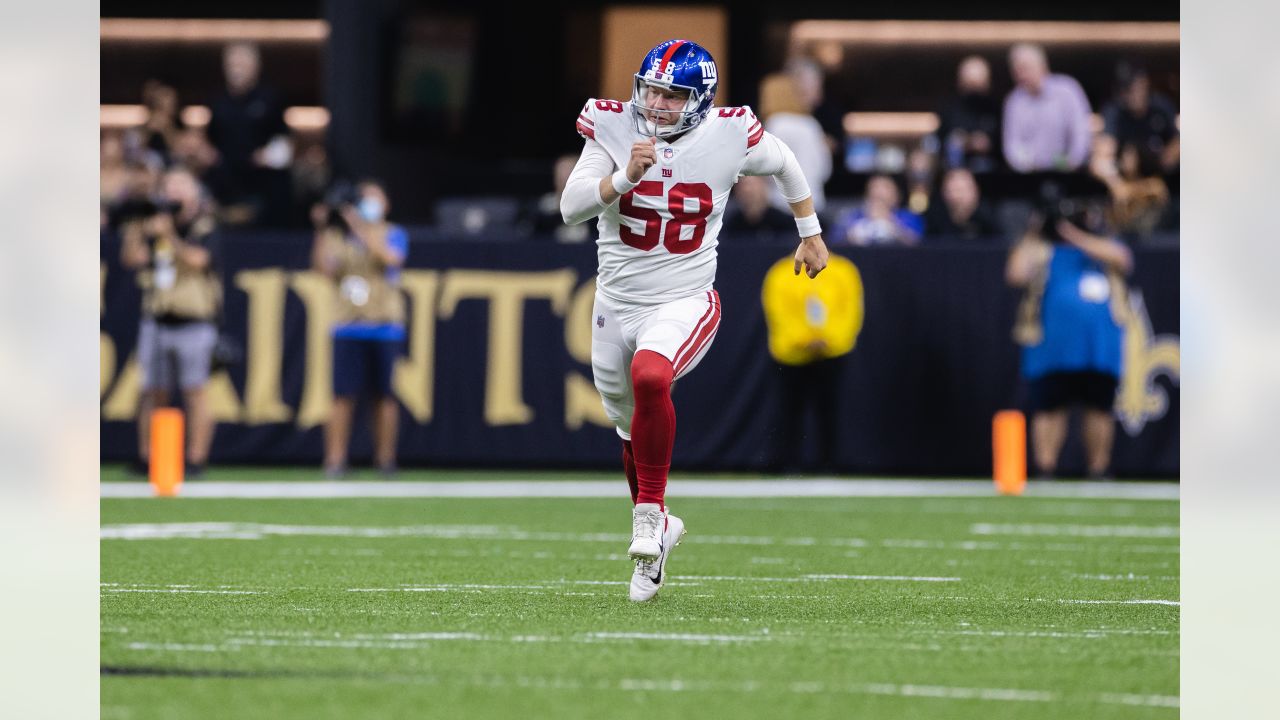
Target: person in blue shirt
879,220
1071,337
363,253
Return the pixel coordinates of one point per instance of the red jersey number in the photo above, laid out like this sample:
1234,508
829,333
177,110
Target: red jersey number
652,218
681,216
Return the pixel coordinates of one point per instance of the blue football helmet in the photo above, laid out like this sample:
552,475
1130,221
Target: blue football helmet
677,65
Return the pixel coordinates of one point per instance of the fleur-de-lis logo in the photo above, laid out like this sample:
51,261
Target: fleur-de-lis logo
1140,400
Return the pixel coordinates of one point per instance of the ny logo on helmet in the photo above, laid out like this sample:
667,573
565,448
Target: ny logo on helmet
708,72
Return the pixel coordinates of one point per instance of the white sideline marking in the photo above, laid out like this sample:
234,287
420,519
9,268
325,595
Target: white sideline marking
609,489
1174,603
1146,531
1125,576
905,578
183,591
675,637
175,647
961,693
259,531
1169,701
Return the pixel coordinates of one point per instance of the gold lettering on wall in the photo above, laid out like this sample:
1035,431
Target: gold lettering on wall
224,405
317,294
122,403
581,400
106,362
106,346
265,347
415,376
506,292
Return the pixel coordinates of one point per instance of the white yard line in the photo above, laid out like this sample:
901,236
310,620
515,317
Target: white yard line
697,639
1173,603
176,647
1127,531
609,489
1168,701
181,591
902,578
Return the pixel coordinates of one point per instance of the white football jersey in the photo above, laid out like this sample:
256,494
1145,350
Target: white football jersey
658,242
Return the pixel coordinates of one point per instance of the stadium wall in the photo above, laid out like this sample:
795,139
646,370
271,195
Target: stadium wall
497,372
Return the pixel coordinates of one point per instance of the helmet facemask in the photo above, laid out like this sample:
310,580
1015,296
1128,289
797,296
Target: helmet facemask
686,119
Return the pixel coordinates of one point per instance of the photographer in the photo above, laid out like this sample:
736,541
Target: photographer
1069,329
169,242
363,253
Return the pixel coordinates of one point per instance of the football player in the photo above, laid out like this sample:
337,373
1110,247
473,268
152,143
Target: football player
657,171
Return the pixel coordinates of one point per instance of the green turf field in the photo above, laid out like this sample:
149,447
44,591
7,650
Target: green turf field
775,607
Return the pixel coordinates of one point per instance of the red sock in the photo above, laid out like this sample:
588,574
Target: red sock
629,467
653,426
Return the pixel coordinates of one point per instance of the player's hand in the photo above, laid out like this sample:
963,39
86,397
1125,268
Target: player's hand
812,256
643,157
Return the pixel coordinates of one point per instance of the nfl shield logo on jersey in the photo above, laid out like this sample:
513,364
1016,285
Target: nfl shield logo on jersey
668,153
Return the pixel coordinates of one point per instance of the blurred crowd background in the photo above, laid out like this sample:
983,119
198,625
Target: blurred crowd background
910,132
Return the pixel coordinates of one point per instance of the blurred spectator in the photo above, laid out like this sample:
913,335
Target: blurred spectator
1046,116
1139,195
159,134
812,324
786,109
808,79
879,220
193,152
919,172
969,127
961,214
1068,326
362,253
1138,144
1141,118
753,218
247,128
136,197
171,245
547,220
312,175
113,175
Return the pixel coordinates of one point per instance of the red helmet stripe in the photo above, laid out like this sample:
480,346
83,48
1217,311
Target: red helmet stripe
671,51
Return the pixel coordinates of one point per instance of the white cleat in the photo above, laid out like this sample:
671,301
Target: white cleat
651,574
647,523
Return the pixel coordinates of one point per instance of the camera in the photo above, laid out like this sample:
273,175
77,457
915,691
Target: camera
1054,207
341,193
143,208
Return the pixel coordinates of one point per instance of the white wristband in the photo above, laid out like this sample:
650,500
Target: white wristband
621,184
808,226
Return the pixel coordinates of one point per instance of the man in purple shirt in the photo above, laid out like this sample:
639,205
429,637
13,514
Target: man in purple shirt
1046,117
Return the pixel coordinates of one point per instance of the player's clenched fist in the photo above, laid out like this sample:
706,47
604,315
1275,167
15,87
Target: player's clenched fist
643,156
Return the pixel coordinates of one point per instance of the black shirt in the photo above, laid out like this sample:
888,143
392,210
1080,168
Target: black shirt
240,124
981,225
774,225
1151,131
971,113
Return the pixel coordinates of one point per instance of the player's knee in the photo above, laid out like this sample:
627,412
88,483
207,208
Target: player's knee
651,373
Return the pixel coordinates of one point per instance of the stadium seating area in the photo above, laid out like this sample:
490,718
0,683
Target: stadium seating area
162,80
